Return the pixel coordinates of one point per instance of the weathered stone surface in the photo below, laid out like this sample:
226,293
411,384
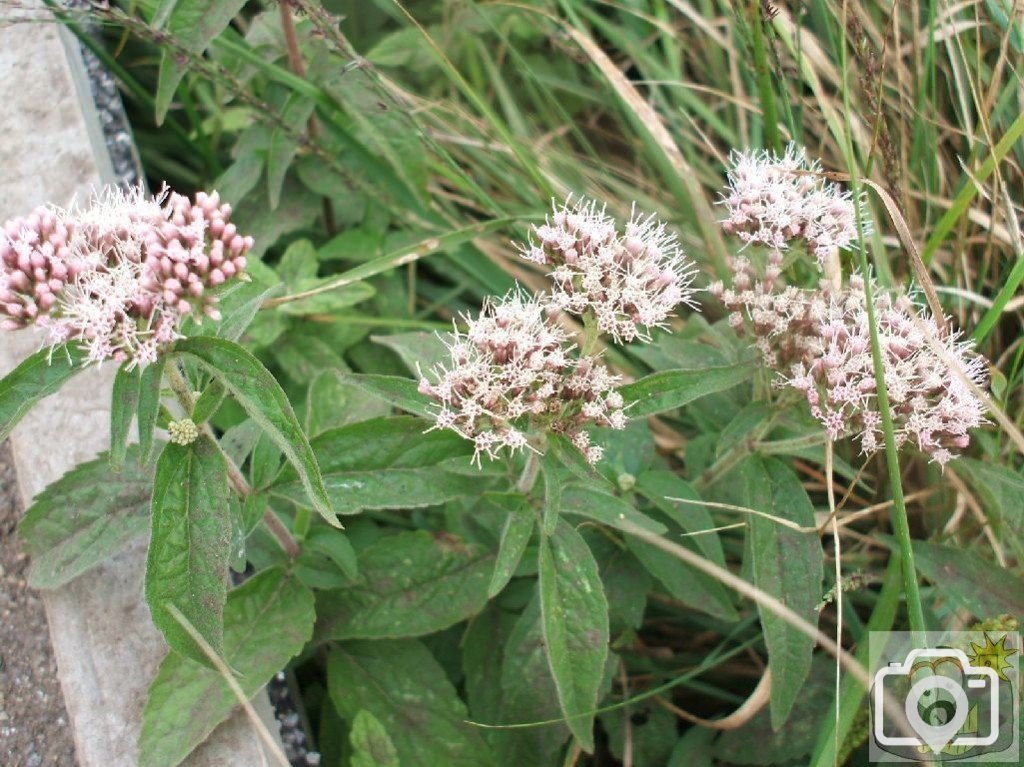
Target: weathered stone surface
106,647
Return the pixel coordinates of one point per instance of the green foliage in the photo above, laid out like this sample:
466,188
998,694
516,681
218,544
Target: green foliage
267,621
189,545
401,684
88,515
38,376
124,404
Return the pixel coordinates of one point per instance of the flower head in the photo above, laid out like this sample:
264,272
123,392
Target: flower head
773,201
513,370
35,265
631,282
120,273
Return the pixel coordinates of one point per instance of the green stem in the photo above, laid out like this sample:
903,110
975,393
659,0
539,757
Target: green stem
530,473
764,79
915,611
183,393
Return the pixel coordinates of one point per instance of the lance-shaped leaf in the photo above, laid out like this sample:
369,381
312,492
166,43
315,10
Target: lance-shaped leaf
671,389
582,501
786,564
412,584
262,397
38,376
403,393
515,534
386,463
190,545
86,516
149,406
124,402
267,621
574,616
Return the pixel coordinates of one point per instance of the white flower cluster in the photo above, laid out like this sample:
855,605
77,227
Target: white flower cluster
631,282
819,343
512,370
120,274
774,201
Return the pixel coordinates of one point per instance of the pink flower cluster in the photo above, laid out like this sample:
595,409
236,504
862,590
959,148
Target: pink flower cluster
819,343
631,282
513,371
121,274
774,201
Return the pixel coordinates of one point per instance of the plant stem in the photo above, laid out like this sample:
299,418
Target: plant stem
298,66
915,611
530,472
186,399
764,79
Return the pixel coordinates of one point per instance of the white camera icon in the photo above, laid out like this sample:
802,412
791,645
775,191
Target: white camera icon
978,679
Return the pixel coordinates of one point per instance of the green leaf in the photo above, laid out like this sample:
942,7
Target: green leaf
85,517
574,614
149,406
334,545
331,402
193,24
583,501
401,684
403,393
975,584
549,466
419,350
671,389
412,584
515,677
38,376
262,397
386,463
514,537
659,486
124,403
283,144
371,746
208,402
190,545
787,565
1001,493
267,621
626,582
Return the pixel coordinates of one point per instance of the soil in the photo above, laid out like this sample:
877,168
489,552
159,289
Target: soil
34,730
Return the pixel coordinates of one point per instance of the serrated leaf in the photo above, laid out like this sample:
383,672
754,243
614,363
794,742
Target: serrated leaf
671,389
124,403
371,746
407,691
149,406
36,377
786,564
267,621
86,516
412,584
574,615
515,534
190,545
193,24
403,393
386,463
582,501
262,397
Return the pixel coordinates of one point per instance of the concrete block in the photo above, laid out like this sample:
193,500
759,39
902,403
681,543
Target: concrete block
106,647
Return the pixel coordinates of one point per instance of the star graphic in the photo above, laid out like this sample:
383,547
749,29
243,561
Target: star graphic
993,655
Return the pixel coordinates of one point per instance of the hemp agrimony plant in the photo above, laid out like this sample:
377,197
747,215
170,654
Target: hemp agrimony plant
519,519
